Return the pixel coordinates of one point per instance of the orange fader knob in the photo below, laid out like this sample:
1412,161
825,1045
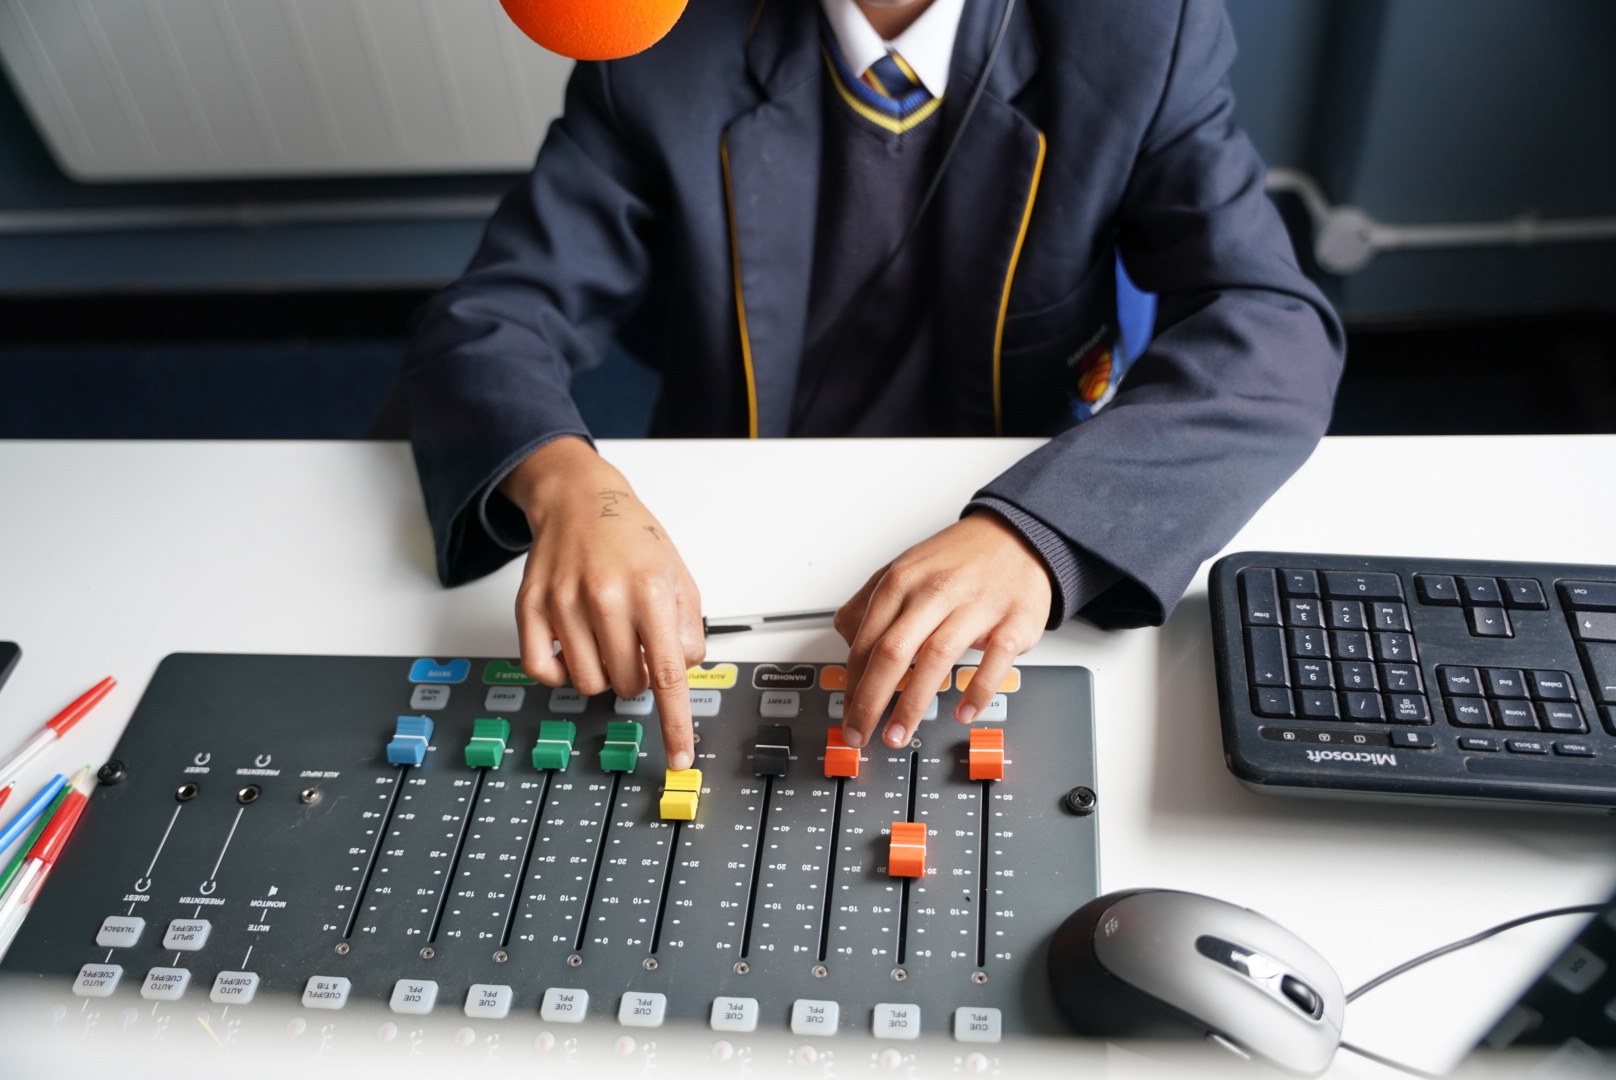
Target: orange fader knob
908,855
987,753
840,759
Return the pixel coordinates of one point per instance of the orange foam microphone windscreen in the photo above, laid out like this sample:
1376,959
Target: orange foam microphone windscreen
595,29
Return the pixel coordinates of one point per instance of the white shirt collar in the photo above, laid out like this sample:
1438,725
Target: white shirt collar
927,46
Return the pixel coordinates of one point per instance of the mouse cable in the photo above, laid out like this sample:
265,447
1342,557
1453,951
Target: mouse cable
1583,909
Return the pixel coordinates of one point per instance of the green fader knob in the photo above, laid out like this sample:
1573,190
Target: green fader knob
487,746
622,750
554,748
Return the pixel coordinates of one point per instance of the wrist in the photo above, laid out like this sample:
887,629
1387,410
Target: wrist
554,475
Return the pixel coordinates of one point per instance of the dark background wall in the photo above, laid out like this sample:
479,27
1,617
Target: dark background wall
1418,111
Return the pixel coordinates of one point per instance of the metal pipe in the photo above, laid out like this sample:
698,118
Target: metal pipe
246,215
1346,239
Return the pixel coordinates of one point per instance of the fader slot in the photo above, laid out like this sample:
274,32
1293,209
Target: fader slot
767,794
594,866
374,822
563,862
417,854
628,887
487,875
466,820
788,910
864,899
944,904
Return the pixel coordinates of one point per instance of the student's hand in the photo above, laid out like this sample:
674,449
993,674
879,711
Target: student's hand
604,579
976,585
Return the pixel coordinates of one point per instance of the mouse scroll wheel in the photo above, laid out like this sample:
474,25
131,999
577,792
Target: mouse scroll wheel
1301,995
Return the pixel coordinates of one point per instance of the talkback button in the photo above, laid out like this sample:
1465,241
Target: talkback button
120,931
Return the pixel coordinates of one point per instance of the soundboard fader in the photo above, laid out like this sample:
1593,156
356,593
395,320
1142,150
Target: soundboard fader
451,837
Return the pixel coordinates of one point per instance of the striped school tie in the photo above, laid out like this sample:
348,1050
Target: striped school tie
891,77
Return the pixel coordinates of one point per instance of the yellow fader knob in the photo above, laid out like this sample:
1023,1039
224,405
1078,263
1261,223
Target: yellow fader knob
680,790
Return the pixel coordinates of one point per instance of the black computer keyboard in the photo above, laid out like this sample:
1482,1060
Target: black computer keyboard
1417,678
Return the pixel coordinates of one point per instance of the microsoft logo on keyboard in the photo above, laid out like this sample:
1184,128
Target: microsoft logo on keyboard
1361,757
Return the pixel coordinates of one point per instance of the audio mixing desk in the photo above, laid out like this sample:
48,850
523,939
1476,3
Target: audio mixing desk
448,841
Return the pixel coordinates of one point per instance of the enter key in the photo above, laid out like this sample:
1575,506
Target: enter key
1602,671
1594,625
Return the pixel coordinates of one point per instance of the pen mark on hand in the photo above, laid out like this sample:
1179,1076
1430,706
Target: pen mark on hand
654,531
608,503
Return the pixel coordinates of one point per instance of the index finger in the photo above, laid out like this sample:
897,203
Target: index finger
665,664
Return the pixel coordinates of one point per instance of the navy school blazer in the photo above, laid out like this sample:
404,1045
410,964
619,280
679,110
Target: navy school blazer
673,205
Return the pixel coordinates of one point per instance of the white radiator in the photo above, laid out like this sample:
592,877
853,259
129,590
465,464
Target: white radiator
197,89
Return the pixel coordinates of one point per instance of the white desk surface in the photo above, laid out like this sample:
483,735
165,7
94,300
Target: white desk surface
113,555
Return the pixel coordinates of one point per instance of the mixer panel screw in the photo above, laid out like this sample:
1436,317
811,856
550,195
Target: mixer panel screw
742,968
1080,801
820,971
309,795
979,977
650,963
342,948
428,953
575,960
501,956
898,974
111,772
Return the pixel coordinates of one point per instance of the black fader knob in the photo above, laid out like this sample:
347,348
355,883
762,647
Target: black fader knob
772,754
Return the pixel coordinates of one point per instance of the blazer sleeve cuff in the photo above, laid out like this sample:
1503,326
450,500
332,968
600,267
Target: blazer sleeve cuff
1076,575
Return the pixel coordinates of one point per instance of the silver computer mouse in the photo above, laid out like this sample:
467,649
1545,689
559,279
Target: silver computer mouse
1153,963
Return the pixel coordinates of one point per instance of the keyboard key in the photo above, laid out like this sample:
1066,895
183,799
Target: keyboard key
1439,590
1477,742
1390,616
1303,613
1408,709
1517,715
1594,626
1347,615
1489,622
1272,701
1308,643
1265,656
1562,716
1505,683
1312,674
1469,712
1303,583
1601,661
1365,708
1573,749
1395,648
1551,686
1524,593
1526,746
1460,681
1589,595
1259,597
1342,584
1401,678
1414,740
1351,644
1318,705
1351,676
1480,591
